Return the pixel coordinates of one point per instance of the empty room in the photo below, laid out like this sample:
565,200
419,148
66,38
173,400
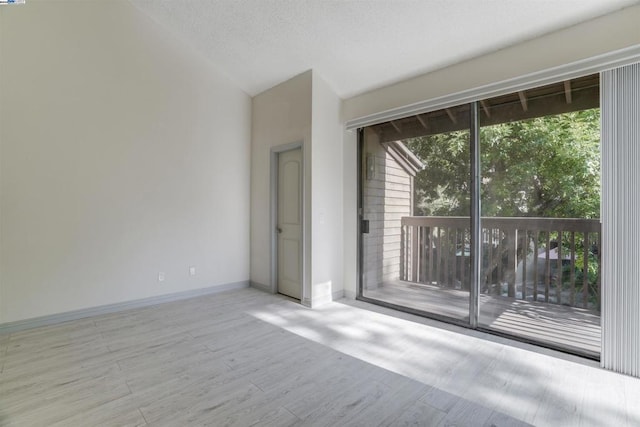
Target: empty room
319,212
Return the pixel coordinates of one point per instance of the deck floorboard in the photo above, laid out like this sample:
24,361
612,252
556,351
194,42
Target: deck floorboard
574,328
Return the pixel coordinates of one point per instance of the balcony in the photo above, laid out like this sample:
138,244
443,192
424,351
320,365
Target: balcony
540,277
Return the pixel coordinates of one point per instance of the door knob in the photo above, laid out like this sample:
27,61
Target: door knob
279,230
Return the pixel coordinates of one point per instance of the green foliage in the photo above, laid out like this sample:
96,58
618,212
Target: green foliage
542,167
442,188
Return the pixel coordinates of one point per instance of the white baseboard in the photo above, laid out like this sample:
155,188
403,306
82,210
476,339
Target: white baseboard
20,325
261,287
318,301
336,295
350,294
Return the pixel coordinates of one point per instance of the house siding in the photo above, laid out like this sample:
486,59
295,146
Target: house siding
387,198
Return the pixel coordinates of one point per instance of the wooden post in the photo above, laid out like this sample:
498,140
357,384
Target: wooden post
439,258
598,280
403,253
547,273
446,253
490,266
414,253
559,271
525,253
430,275
512,242
572,277
585,269
423,254
501,238
536,236
463,260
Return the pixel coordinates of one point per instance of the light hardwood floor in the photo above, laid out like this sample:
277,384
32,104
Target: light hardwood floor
249,358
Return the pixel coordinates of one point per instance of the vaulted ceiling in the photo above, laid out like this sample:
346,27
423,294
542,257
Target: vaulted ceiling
358,45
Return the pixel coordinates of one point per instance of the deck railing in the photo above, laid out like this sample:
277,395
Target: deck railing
550,260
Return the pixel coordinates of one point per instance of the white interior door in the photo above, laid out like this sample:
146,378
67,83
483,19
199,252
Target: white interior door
289,225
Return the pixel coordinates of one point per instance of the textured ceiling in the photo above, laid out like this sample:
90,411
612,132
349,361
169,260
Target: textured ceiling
358,45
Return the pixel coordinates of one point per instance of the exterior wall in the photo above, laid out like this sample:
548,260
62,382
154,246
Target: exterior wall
124,153
397,203
387,198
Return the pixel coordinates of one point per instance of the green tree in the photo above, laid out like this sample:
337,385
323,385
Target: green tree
543,167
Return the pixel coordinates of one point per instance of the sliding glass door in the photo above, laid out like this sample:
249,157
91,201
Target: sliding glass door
538,235
540,169
416,200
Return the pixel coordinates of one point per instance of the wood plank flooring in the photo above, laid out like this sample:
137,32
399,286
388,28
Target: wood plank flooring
249,358
574,329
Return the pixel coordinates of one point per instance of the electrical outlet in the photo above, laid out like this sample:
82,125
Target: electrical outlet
161,276
192,271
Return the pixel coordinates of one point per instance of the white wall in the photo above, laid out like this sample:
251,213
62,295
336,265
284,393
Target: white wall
303,110
280,116
123,153
605,34
326,193
586,40
1,127
350,209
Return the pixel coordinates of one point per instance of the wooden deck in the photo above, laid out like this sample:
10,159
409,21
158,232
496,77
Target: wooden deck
575,329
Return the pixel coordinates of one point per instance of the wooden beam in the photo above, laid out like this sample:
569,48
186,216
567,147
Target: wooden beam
422,122
523,101
582,99
396,126
567,91
485,108
451,116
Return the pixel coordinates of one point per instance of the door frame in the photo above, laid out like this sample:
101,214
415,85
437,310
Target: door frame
273,217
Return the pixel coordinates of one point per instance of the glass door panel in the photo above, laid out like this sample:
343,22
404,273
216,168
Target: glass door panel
416,207
540,202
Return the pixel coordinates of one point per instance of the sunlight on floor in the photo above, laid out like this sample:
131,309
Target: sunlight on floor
495,372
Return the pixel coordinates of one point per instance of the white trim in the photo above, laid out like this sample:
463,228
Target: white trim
260,286
319,301
53,319
349,294
583,67
336,295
